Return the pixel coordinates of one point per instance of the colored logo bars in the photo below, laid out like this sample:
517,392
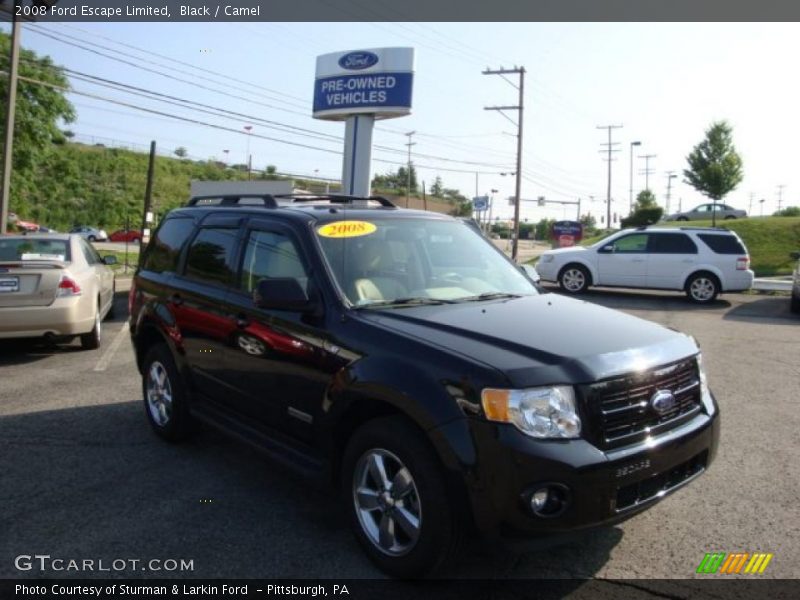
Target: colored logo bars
734,563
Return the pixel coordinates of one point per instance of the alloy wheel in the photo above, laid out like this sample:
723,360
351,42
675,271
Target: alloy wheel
702,289
159,394
574,280
386,502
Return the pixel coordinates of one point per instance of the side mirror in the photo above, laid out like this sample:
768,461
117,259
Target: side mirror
282,293
607,249
110,259
530,272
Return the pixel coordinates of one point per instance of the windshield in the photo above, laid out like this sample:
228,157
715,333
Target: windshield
412,261
33,249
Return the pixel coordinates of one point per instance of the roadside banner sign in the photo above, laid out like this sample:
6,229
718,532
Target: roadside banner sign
566,233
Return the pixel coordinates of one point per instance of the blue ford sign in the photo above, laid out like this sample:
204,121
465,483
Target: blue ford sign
375,81
356,61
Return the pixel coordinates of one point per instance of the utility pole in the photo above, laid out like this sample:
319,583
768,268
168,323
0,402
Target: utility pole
609,149
670,176
248,129
630,199
780,196
8,145
520,107
148,196
409,143
750,207
647,170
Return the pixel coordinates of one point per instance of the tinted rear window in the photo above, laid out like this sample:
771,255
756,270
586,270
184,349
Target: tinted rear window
672,243
163,252
723,244
33,249
210,257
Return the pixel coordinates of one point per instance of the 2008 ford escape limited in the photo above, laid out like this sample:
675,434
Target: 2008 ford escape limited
400,355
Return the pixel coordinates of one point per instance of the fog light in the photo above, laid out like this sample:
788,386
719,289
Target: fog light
539,499
549,500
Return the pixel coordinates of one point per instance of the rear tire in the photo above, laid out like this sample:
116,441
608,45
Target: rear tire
794,306
91,238
574,279
399,509
729,217
682,219
111,312
165,396
702,288
91,340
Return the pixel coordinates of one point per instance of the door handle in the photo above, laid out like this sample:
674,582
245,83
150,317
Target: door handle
638,260
176,299
241,321
688,260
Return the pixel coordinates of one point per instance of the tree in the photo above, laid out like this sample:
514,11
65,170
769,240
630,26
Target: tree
437,188
715,168
645,211
271,172
789,211
588,221
40,111
181,152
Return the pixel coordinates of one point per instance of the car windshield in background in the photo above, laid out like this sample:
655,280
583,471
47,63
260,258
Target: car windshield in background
408,262
33,249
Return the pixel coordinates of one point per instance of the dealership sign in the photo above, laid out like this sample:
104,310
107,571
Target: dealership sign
567,233
377,81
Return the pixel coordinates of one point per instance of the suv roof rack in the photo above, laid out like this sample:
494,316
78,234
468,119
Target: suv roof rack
271,200
689,228
267,201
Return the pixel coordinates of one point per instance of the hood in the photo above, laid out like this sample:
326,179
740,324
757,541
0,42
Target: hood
570,250
540,340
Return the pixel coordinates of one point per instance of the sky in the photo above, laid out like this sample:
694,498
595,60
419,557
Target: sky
665,83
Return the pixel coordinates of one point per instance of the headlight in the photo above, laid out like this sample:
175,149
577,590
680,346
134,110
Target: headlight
705,392
546,412
546,258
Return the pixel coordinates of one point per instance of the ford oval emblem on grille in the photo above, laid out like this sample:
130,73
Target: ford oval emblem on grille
663,401
356,61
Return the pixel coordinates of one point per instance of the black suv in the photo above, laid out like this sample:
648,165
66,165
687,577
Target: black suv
400,355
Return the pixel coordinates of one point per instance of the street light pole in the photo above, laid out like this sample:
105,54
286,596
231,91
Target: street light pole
630,210
248,129
408,167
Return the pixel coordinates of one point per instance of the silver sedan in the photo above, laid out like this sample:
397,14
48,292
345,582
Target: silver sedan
54,286
704,212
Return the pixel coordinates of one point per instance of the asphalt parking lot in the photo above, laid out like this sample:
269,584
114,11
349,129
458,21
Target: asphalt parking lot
82,476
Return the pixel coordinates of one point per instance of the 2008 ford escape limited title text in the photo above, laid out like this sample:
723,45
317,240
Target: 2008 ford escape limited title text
401,356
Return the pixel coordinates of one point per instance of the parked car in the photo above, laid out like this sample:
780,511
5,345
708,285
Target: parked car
795,301
417,368
54,286
126,235
90,234
704,212
703,262
43,229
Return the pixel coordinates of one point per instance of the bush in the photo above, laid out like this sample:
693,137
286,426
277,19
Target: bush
643,216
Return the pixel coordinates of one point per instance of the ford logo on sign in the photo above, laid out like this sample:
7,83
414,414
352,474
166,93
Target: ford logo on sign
355,61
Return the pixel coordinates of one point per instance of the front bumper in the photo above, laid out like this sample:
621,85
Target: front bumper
547,271
604,487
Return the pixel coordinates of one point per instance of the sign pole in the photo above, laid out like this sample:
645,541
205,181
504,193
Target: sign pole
356,167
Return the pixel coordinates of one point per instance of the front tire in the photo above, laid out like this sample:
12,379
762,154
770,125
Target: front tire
92,238
794,306
702,288
682,219
165,396
397,502
574,279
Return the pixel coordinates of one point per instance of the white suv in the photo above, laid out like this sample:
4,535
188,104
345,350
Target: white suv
700,261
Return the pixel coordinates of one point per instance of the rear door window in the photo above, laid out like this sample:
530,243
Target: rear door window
211,256
723,244
270,254
671,243
163,252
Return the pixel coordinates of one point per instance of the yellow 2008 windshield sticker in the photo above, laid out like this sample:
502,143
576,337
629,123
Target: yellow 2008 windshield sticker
346,229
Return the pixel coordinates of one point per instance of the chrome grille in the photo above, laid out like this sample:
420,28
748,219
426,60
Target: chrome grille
622,410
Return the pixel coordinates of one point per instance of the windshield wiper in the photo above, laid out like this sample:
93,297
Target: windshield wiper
488,296
414,301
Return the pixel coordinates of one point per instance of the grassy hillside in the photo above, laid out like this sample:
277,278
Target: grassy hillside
769,240
79,184
92,185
